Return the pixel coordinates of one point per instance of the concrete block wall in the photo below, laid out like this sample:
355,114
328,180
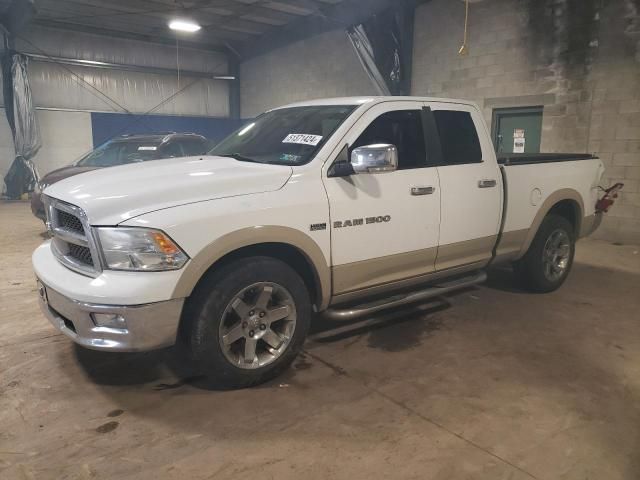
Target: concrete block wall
579,59
317,67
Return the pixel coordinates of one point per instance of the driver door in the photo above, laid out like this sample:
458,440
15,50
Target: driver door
385,227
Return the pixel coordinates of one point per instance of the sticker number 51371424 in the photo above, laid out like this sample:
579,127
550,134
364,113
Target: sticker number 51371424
302,139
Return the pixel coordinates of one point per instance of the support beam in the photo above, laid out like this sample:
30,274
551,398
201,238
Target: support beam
338,16
128,67
233,65
132,36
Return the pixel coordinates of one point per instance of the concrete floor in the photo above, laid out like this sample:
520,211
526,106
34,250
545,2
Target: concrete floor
492,383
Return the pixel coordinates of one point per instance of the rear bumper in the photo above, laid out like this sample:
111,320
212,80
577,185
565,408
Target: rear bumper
148,326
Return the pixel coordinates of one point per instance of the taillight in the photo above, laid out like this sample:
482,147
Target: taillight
609,198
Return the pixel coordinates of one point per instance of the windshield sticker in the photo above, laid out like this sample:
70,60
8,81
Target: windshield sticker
302,139
287,157
147,148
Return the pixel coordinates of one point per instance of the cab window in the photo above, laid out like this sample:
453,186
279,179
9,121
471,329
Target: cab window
402,128
458,137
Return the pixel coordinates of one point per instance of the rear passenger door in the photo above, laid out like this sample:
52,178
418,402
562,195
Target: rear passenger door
471,186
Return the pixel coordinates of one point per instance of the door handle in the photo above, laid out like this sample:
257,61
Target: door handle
486,183
422,190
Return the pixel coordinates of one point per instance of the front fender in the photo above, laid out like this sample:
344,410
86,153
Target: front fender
257,235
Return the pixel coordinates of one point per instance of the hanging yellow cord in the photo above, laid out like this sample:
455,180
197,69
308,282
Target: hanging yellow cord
463,49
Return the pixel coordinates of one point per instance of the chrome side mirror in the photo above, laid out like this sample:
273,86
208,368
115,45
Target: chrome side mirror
378,158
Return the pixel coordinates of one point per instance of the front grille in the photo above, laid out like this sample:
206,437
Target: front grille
69,221
81,254
72,242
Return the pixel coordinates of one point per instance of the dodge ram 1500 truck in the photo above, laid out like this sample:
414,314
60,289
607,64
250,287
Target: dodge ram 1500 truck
344,206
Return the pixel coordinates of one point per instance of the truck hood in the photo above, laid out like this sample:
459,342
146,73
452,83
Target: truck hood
112,195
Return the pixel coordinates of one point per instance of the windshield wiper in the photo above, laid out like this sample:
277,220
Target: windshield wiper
240,157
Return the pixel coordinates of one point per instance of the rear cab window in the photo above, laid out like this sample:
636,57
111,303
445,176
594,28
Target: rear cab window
458,137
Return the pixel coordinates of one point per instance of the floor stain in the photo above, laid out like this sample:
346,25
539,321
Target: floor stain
404,335
336,369
108,427
302,363
115,413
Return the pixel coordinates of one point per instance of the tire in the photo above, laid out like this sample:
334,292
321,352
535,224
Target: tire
226,317
537,269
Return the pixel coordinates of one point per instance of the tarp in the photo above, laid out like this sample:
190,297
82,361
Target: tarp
384,46
21,116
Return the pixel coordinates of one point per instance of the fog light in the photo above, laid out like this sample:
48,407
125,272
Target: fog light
109,320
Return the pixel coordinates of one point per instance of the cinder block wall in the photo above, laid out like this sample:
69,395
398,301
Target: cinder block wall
318,67
578,58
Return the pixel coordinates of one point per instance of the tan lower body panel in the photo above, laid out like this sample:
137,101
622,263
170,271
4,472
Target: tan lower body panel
463,253
376,271
590,224
510,245
404,284
394,268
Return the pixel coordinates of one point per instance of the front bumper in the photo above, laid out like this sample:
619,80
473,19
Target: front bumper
148,326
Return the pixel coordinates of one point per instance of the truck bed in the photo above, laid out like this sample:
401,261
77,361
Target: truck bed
531,183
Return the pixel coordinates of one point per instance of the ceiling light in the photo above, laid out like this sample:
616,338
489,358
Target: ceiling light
184,26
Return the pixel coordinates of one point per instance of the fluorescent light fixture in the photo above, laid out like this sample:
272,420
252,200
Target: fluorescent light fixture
224,77
184,26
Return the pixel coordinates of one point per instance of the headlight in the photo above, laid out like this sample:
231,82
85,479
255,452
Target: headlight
139,249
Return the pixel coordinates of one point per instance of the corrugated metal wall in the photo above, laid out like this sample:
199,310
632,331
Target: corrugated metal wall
60,86
65,95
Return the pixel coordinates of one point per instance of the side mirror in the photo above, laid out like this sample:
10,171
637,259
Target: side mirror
378,158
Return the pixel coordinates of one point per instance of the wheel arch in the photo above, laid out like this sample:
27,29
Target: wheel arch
287,244
567,203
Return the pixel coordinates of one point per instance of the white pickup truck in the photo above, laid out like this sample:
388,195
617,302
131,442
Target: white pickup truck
344,206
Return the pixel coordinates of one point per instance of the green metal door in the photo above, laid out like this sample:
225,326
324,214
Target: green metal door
517,130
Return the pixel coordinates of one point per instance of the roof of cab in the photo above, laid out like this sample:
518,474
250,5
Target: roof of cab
372,99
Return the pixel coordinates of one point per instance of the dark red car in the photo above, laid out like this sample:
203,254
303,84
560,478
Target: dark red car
120,151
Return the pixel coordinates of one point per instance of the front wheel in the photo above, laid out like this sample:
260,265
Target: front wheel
247,321
547,263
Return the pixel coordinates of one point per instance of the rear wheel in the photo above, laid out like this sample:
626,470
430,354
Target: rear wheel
247,321
547,263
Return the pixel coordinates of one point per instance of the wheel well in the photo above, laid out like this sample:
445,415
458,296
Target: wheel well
286,253
570,210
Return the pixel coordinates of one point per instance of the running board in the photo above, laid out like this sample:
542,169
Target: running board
357,311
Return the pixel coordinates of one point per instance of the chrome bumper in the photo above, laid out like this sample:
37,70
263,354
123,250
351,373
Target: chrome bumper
148,326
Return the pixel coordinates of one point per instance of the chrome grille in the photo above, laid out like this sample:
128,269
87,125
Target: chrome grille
72,239
70,222
82,254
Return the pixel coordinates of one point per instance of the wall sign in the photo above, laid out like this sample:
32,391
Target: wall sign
518,140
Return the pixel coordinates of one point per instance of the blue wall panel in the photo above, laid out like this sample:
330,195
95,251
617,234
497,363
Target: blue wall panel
108,125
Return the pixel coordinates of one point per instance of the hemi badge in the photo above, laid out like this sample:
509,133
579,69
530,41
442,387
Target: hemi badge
318,226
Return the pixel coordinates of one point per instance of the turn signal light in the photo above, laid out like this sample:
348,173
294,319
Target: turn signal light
165,244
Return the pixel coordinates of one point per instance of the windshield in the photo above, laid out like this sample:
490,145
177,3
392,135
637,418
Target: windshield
120,152
287,136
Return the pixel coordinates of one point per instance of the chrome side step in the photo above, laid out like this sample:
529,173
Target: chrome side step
398,300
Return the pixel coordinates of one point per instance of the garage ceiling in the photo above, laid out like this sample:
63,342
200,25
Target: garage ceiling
237,25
